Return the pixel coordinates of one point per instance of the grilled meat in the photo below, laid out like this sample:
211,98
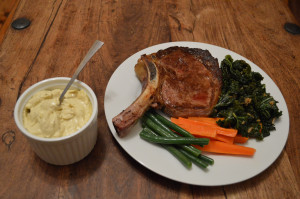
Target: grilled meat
180,81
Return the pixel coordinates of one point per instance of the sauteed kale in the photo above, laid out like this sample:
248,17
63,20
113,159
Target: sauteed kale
244,103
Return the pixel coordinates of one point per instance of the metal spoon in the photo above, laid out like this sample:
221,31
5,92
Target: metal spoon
96,46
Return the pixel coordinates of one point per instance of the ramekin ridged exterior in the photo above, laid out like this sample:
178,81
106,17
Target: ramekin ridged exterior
64,150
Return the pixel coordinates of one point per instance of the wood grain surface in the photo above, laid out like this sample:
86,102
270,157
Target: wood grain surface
7,11
60,34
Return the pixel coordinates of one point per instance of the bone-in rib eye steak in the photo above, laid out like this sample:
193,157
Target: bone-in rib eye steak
180,81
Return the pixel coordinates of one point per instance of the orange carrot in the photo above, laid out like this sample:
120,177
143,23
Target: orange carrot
240,139
203,131
224,138
219,130
225,148
197,130
227,132
210,120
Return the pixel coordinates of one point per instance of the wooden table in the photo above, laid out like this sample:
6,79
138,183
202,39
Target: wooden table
61,33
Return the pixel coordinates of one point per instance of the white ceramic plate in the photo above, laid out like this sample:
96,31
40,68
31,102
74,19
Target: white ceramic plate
124,87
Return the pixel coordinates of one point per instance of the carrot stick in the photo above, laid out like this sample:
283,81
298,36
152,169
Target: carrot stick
198,130
225,148
219,130
210,120
224,138
227,132
203,131
240,139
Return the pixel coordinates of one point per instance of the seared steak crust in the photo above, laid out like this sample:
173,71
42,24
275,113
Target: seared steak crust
190,81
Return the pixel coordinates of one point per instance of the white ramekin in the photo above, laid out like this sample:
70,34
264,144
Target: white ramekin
64,150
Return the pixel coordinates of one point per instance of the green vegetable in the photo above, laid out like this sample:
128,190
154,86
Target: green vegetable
151,118
150,114
244,102
175,152
173,140
190,149
171,125
156,128
195,160
207,159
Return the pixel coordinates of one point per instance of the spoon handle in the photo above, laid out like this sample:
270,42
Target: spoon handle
96,46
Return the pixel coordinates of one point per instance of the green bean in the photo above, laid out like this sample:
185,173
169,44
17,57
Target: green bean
195,160
173,126
173,140
148,114
149,123
208,160
175,152
163,126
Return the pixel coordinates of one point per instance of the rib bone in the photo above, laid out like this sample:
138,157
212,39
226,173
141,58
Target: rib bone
148,74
